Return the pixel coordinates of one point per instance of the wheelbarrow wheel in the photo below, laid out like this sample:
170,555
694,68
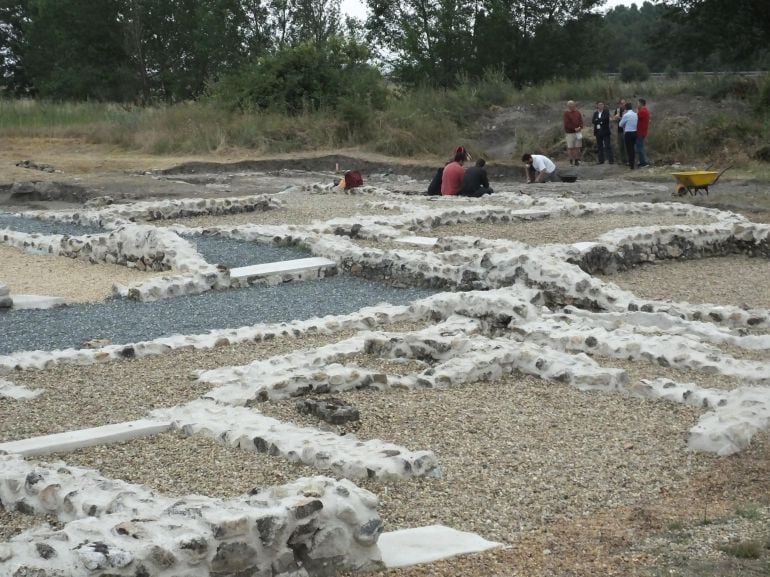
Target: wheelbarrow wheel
680,190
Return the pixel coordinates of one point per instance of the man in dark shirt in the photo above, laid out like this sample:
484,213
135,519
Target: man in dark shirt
475,182
602,132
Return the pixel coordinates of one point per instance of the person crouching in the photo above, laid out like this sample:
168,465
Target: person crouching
476,182
539,168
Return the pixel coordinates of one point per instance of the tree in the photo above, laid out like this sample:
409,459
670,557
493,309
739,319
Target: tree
439,41
73,49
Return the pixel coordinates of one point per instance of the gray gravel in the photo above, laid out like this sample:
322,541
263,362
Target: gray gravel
34,225
127,321
217,249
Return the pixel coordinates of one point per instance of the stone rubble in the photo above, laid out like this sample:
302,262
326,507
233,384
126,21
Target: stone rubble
312,526
9,390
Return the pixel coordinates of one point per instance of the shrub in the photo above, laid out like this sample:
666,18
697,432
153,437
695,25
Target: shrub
303,78
634,71
744,549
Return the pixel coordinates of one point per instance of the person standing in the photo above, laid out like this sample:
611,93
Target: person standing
618,114
628,123
573,126
452,177
642,126
602,132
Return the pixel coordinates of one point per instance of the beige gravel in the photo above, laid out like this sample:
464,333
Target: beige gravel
516,453
12,523
561,229
300,208
733,280
75,280
638,370
77,397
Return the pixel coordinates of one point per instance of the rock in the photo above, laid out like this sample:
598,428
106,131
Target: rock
332,410
45,550
233,559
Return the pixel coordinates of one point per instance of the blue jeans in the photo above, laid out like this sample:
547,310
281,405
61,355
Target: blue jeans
640,150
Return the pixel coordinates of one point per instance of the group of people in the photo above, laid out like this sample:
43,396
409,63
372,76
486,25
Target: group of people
632,128
454,179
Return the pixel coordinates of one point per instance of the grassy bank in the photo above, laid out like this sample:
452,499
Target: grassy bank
728,119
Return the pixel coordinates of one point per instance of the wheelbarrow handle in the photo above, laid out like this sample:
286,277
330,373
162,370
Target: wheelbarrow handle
729,166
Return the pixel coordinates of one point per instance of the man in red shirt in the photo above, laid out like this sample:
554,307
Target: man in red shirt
452,179
573,127
642,126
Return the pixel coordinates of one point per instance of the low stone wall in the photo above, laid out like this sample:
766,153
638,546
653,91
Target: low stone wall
162,210
344,456
623,250
314,526
133,246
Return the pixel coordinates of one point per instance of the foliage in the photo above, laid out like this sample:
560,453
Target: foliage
307,78
634,71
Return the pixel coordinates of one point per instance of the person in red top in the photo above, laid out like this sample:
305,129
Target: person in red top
573,126
452,179
642,127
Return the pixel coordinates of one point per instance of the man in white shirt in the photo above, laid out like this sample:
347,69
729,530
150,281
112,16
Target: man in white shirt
539,168
628,123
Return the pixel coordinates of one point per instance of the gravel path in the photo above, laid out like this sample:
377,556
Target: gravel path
35,225
301,208
733,280
76,280
638,370
560,229
128,321
233,253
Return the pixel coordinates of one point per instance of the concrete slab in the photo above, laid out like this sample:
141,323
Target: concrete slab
71,440
26,302
427,544
281,267
417,240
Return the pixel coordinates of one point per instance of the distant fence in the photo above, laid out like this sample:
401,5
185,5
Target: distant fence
658,75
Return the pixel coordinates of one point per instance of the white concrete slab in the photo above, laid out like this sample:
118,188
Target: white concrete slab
417,240
281,267
71,440
21,302
427,544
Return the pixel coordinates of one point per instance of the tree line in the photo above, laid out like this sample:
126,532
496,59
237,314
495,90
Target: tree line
299,54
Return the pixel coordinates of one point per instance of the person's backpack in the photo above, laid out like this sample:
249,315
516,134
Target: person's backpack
434,188
353,179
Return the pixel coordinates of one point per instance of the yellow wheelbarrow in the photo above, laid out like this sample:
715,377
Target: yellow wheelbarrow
695,181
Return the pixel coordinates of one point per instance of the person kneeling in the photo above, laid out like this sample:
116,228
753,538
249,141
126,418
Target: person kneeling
539,168
475,181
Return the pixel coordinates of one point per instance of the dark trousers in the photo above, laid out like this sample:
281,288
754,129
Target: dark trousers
630,140
622,146
604,147
480,191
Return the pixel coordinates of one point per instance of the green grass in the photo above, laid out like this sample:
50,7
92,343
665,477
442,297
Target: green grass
416,122
744,549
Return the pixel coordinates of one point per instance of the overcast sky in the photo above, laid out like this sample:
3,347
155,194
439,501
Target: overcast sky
356,7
